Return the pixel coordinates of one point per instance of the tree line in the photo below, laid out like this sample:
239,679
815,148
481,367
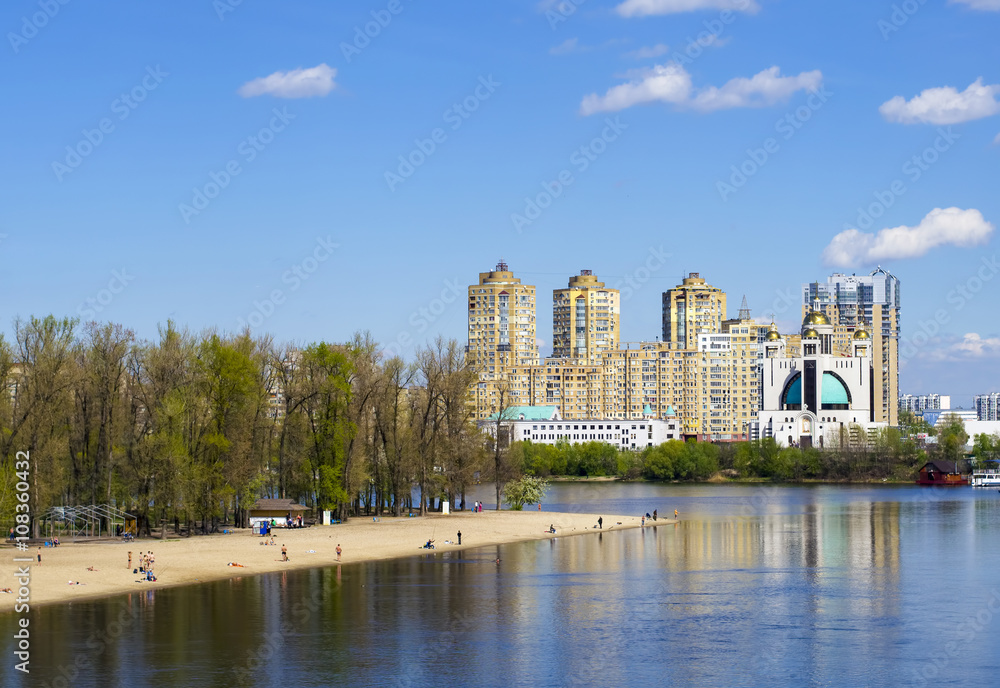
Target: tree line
191,429
891,453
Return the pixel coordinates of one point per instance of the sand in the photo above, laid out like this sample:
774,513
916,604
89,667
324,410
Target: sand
205,558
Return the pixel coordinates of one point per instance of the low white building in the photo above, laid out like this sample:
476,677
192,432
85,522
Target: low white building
543,425
817,398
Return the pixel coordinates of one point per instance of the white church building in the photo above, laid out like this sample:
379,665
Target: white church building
816,399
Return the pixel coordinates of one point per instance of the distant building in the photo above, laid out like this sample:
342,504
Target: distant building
988,406
937,417
870,302
501,333
818,397
543,425
692,308
584,318
922,402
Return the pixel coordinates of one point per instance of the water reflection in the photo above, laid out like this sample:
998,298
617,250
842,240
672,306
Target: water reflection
815,586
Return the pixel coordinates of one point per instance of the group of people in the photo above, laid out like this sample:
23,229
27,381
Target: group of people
146,562
654,516
477,508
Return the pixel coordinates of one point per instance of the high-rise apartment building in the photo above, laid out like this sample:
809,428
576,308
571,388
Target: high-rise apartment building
584,318
690,309
711,389
501,321
988,406
870,302
922,402
501,336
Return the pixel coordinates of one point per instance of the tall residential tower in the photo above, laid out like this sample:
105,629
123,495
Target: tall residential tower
867,302
584,318
690,309
501,321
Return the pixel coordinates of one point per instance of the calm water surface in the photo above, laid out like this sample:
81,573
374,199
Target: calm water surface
757,586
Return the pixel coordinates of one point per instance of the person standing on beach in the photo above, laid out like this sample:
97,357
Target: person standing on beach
600,523
654,514
130,560
284,553
459,537
675,513
39,556
339,551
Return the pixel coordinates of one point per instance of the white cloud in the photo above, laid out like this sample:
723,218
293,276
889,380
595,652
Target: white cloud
975,346
670,83
941,227
297,83
645,8
763,89
566,47
949,348
646,53
985,5
944,105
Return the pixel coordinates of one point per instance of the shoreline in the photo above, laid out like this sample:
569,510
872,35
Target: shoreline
205,558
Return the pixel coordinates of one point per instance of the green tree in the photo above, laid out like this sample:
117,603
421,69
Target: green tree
525,490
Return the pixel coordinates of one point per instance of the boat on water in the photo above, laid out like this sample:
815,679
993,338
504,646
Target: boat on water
986,476
941,474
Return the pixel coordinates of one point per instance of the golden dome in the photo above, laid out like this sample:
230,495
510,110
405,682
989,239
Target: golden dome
861,333
815,318
772,333
810,334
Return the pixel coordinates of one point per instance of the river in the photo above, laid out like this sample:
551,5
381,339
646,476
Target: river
759,585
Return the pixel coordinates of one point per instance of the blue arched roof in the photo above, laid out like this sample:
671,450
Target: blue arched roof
793,393
834,391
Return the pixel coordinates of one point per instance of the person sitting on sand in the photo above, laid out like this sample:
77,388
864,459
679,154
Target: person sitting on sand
7,590
429,545
233,563
91,568
552,528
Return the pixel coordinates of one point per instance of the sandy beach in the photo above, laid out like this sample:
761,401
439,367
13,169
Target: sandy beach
205,558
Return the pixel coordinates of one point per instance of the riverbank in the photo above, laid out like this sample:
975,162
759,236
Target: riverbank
201,559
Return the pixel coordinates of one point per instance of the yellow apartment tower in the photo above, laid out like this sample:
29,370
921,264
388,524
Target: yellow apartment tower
501,335
584,318
690,309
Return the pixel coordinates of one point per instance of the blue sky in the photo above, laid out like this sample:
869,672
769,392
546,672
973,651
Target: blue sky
646,108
